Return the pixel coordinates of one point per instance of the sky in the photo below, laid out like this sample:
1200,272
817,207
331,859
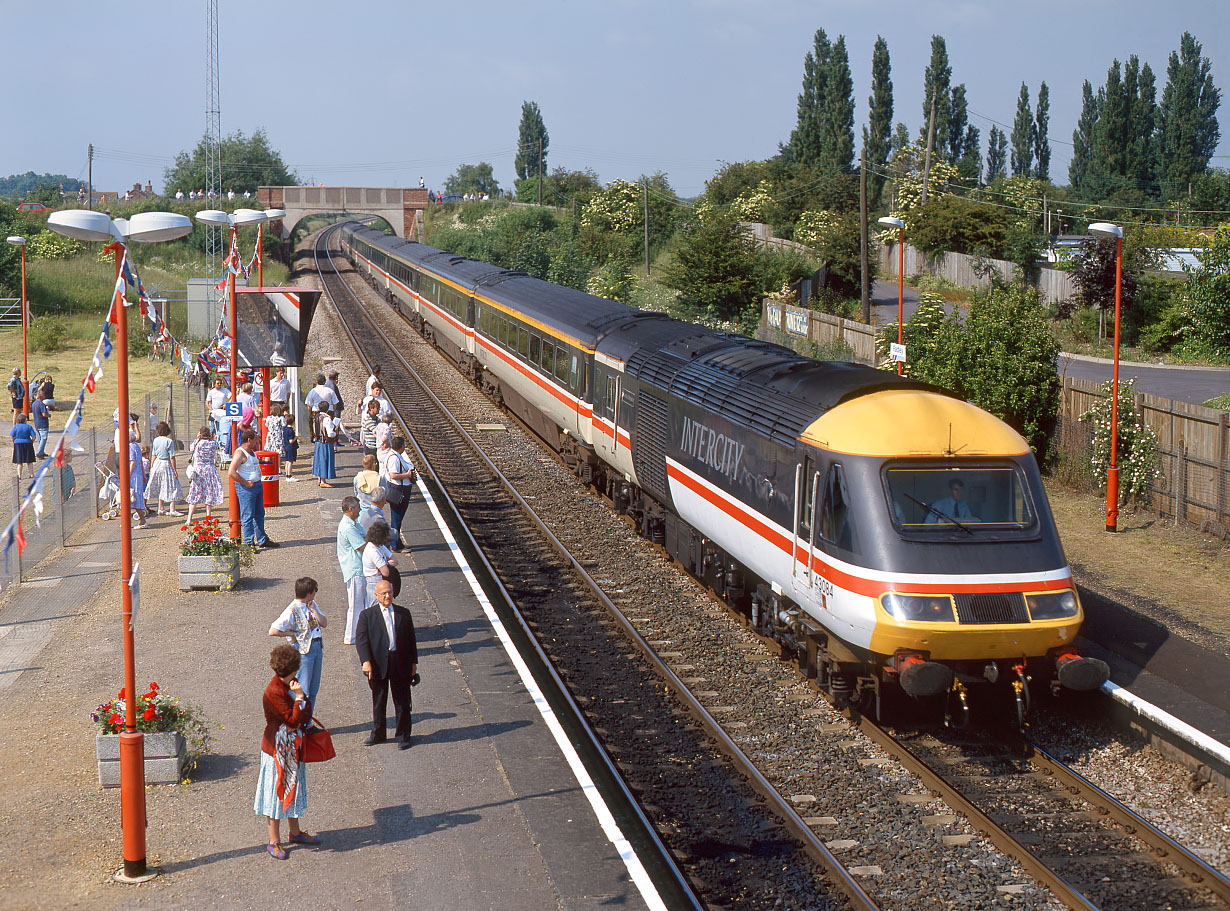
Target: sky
390,91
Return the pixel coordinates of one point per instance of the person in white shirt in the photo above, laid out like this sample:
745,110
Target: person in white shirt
399,475
302,623
377,395
379,563
216,398
318,395
279,387
246,398
373,379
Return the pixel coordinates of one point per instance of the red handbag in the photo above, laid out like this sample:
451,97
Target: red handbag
317,744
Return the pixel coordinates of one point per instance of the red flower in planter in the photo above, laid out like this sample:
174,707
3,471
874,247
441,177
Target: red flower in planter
116,720
150,714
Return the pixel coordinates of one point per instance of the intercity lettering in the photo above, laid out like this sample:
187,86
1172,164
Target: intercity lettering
716,450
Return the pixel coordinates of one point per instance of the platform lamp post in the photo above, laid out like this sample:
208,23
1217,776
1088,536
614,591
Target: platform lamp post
146,227
890,222
19,241
257,217
1107,230
232,221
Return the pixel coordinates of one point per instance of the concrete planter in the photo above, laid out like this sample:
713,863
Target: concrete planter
219,573
164,758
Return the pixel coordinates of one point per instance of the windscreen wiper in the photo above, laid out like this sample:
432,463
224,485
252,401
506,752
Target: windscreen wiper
942,515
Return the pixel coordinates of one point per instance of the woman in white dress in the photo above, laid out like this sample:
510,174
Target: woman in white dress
163,484
205,487
379,563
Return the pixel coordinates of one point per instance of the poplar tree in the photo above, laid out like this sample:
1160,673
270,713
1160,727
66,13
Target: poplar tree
1142,165
805,141
532,132
1188,129
878,132
1110,137
1042,145
1023,136
957,121
937,80
997,154
1083,138
971,156
837,112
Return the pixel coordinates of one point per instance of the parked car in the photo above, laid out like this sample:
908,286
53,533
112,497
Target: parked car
33,207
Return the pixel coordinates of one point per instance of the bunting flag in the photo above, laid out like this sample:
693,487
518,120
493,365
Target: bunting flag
213,356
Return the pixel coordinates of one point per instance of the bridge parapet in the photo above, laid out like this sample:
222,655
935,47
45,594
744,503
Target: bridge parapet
399,206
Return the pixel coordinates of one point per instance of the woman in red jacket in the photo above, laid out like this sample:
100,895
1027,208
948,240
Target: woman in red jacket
281,789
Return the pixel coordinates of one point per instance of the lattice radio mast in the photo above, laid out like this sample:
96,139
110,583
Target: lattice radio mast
213,145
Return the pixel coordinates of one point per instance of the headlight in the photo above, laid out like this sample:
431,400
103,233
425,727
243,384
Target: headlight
1052,605
914,608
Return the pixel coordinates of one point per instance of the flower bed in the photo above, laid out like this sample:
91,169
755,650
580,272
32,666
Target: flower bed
176,735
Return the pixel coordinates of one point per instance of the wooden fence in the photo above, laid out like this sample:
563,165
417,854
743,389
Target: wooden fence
1193,442
1193,452
1054,285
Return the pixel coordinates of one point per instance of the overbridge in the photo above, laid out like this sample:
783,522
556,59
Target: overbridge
400,207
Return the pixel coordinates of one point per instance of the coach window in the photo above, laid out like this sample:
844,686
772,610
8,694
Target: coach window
835,516
523,341
503,331
548,357
535,344
561,365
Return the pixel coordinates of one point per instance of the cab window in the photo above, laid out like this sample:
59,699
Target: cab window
836,525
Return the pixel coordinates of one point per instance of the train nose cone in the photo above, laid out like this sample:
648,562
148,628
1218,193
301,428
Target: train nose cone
1083,674
925,678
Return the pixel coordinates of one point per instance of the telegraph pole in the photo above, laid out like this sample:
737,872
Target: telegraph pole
540,171
864,283
930,143
90,178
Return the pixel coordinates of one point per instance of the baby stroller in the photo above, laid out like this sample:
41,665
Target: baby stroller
108,490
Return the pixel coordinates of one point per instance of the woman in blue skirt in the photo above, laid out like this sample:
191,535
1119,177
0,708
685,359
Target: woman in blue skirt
281,788
326,440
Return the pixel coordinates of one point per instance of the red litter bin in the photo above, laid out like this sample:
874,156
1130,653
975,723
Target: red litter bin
270,463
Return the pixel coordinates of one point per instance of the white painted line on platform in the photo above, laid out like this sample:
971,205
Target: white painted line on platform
609,826
1179,728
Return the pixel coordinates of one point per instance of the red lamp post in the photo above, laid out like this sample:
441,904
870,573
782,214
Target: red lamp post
19,241
889,222
1107,230
87,225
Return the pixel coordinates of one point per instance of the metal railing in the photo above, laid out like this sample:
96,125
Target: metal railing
10,313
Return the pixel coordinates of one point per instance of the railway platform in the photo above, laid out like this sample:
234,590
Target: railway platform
482,812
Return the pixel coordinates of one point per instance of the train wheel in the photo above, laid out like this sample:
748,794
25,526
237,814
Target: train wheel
841,687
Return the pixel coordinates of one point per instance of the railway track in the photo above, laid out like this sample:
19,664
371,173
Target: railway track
1060,831
717,813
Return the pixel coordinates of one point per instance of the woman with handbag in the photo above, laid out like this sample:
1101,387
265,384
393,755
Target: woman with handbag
326,441
281,787
303,623
204,482
399,476
163,484
379,562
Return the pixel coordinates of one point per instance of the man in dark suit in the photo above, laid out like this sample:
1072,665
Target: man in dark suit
390,656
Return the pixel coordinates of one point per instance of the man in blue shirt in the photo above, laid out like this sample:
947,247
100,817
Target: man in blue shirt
351,540
951,507
42,424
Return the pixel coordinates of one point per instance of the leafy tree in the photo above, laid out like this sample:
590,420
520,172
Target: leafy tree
532,139
1206,299
16,186
1042,145
901,141
734,180
246,162
10,256
806,141
835,238
877,133
1093,273
936,81
619,209
715,267
1023,136
472,178
837,113
997,154
1084,138
1189,131
955,224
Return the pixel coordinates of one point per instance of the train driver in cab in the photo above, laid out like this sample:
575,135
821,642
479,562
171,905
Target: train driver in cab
953,506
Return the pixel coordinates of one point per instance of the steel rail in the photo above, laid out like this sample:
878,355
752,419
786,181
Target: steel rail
841,876
1198,871
677,892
